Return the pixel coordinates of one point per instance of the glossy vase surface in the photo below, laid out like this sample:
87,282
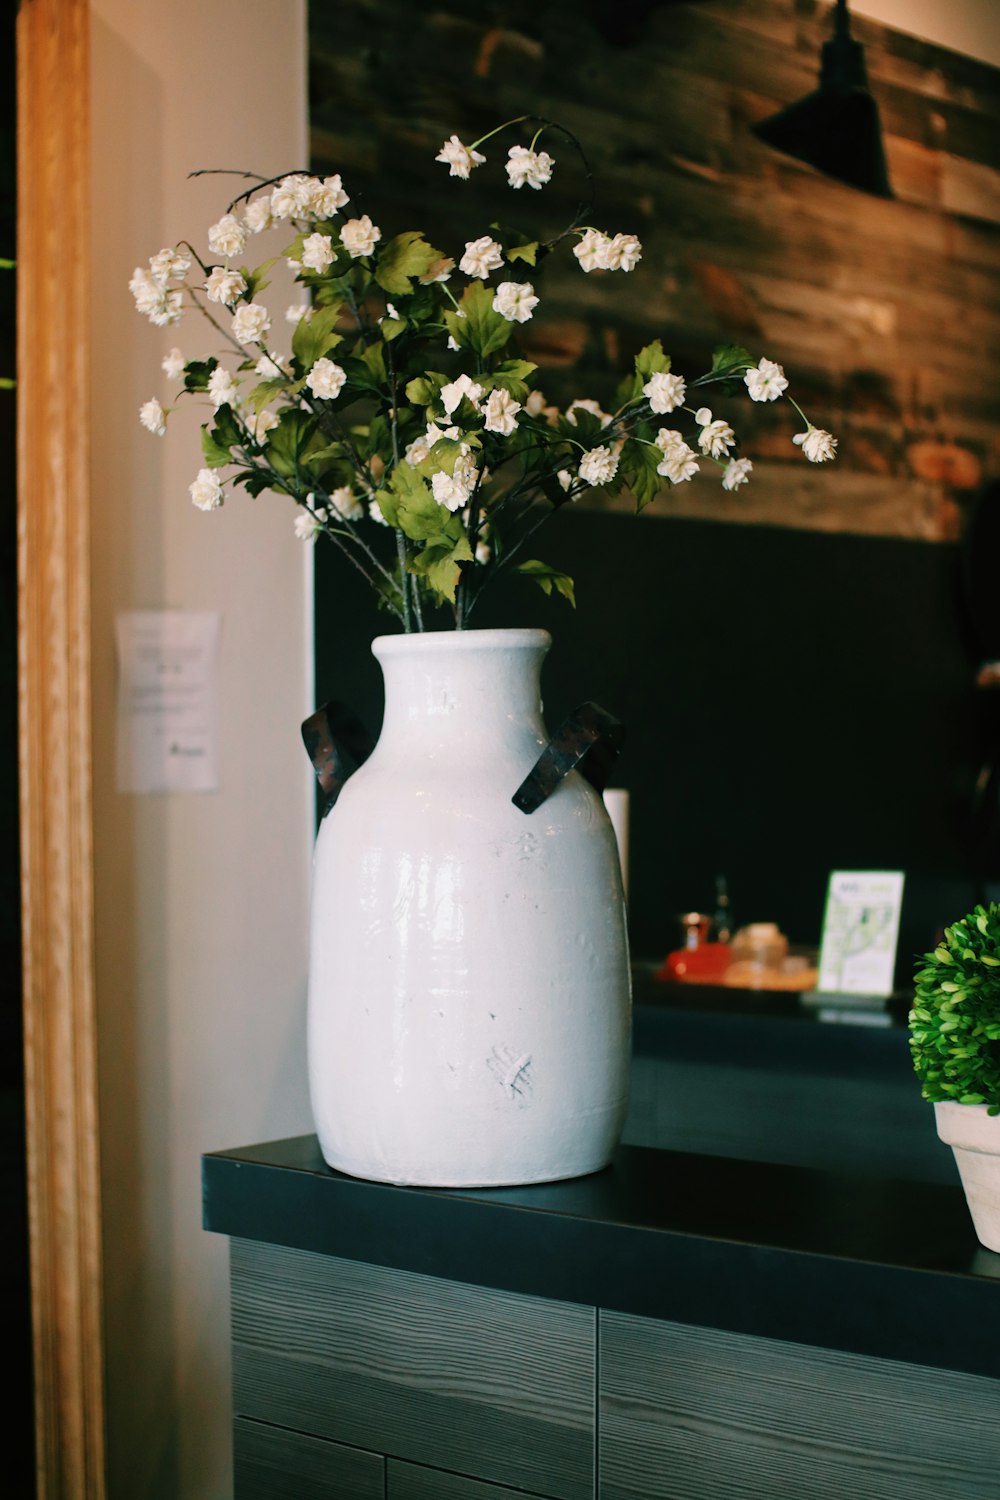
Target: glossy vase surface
469,993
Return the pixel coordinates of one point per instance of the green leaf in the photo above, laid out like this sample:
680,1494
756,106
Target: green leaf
266,391
216,455
511,376
526,252
196,373
423,390
438,563
475,325
652,361
548,579
314,336
292,443
400,262
391,328
731,359
256,279
638,469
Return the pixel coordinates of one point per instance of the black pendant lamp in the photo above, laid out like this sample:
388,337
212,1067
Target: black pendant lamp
836,128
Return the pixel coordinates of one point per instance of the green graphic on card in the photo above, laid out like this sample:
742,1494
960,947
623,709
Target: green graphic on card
860,931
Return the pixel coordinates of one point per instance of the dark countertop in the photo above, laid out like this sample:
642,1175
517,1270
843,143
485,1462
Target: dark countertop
873,1266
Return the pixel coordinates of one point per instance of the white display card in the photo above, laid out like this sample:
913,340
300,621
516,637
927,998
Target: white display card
860,931
167,700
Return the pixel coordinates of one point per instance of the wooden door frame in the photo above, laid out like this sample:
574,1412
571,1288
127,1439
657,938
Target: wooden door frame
63,1157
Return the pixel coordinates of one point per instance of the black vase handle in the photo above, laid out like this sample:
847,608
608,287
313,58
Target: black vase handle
588,741
337,743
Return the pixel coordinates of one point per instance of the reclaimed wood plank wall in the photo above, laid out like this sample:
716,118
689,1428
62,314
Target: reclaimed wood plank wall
885,313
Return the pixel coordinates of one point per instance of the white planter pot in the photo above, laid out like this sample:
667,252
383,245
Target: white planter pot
469,995
974,1136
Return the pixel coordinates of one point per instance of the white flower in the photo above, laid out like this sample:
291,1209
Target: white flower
816,444
153,300
224,286
222,388
153,417
326,379
169,265
737,473
535,403
565,478
291,196
375,513
501,412
623,253
360,236
451,395
306,525
297,312
481,257
703,416
515,301
592,250
483,552
452,342
269,365
172,365
317,252
347,505
390,312
668,439
227,237
454,490
716,438
250,323
585,404
459,159
146,290
261,423
417,451
531,167
206,491
766,382
599,466
679,463
170,312
327,196
665,392
257,215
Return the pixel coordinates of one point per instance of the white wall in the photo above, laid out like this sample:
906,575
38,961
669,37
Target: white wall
201,900
970,26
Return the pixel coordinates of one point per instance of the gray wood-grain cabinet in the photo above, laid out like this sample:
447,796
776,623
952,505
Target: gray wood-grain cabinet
360,1382
489,1384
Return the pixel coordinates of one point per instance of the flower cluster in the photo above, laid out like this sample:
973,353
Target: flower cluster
402,406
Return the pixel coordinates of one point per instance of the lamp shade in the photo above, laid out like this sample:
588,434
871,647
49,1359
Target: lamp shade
836,128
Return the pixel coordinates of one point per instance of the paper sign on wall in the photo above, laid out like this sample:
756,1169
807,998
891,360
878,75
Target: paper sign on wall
167,700
860,929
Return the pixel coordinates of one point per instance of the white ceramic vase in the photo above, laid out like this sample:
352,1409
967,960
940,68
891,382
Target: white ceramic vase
974,1137
469,993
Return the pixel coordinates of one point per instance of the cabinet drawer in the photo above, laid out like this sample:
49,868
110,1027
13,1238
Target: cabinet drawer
699,1414
414,1482
491,1384
271,1463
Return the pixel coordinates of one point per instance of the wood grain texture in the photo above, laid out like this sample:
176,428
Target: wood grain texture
271,1463
55,753
490,1384
415,1482
886,314
692,1414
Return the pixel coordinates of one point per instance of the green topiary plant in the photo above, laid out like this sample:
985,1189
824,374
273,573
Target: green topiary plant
955,1020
